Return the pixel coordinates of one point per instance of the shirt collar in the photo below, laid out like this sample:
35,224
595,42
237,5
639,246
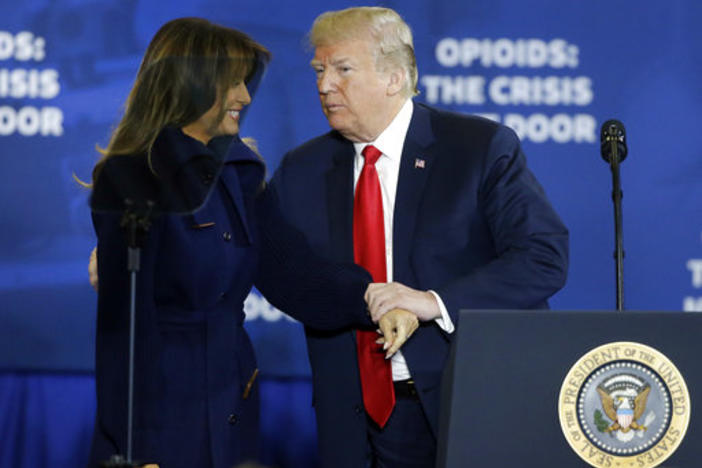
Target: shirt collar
392,139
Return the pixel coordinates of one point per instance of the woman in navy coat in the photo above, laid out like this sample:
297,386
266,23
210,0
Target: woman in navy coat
195,392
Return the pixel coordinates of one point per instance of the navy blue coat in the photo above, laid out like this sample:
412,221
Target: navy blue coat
196,401
472,224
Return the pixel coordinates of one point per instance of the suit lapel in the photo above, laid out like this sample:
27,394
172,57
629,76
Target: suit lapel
339,180
415,167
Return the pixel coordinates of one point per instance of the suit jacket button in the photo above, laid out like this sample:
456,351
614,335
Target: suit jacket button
232,419
227,236
207,178
358,409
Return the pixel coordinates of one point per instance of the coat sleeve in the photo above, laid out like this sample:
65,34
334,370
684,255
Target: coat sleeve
319,293
530,241
114,279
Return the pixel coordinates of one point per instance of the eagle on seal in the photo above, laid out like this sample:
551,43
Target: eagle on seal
620,411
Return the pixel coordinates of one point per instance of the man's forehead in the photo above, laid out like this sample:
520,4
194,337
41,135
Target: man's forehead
341,51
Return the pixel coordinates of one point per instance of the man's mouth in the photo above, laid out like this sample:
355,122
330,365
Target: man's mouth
333,107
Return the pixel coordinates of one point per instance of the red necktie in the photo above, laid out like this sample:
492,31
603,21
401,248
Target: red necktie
369,252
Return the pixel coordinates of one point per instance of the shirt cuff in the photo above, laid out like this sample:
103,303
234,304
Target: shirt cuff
444,322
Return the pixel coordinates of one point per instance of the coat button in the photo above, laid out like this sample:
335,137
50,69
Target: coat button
358,409
207,178
227,236
232,419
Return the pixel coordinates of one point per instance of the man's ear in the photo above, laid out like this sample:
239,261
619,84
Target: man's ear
396,82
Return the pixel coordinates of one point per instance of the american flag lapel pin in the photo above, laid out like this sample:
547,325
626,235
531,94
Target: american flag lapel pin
419,163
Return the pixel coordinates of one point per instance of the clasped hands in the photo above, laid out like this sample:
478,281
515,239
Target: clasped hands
397,310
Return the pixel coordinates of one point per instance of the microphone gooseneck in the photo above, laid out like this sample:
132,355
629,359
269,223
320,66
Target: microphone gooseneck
613,150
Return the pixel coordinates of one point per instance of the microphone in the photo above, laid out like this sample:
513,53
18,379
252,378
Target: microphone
613,141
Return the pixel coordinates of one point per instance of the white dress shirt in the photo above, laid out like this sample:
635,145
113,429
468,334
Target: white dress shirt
390,143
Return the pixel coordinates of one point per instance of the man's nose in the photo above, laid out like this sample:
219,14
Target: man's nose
326,82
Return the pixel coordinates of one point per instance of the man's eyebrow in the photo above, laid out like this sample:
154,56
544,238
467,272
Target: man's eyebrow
341,60
334,62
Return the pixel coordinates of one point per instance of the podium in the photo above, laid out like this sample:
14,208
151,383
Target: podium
541,389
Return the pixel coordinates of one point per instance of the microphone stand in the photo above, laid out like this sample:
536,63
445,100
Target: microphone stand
136,224
618,242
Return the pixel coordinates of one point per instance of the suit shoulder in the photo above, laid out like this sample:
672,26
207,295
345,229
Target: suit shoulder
457,126
312,148
315,155
450,119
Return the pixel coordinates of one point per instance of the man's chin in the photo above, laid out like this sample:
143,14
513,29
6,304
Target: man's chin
337,122
344,127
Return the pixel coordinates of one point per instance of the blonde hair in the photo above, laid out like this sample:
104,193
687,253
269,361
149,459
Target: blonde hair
391,36
188,66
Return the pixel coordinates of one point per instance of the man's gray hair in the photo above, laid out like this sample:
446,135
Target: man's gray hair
387,30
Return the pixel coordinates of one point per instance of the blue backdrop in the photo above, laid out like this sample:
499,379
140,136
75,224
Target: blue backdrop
552,70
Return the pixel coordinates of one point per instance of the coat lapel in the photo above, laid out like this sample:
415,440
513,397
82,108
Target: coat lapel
415,167
239,160
230,178
339,180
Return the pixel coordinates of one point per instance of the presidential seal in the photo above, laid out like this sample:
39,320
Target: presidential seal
624,405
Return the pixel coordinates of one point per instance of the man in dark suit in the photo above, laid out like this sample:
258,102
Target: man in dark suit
439,207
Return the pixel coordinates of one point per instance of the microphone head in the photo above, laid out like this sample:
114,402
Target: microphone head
613,131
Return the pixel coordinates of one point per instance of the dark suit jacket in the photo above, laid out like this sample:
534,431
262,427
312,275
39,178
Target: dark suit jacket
473,224
193,402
